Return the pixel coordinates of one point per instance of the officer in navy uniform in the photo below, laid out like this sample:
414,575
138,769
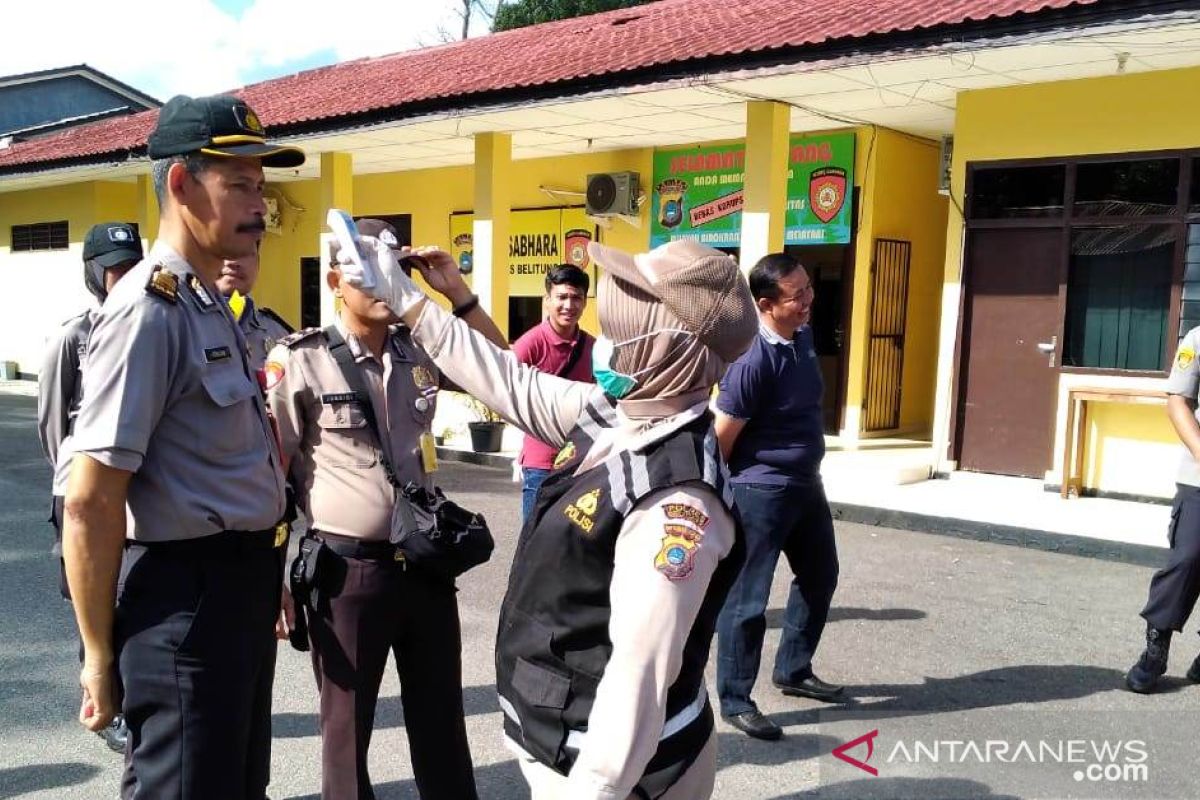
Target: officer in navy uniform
623,566
173,425
261,326
110,249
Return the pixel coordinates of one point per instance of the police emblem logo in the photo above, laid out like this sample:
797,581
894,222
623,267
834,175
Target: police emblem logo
423,378
564,455
1184,358
248,119
677,557
583,510
388,238
120,235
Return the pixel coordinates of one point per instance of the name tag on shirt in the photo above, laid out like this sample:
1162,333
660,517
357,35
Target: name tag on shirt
429,459
212,354
341,397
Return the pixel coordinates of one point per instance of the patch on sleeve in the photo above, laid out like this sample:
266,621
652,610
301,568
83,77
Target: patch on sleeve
564,455
682,511
1184,358
677,557
272,374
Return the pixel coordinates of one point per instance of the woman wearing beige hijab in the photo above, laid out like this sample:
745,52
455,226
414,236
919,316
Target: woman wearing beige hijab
624,564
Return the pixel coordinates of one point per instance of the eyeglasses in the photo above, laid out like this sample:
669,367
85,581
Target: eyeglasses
804,294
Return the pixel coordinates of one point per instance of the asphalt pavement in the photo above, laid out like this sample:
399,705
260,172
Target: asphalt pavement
974,670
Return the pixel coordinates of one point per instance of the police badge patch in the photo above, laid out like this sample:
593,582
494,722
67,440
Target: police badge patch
564,455
272,375
677,558
1184,358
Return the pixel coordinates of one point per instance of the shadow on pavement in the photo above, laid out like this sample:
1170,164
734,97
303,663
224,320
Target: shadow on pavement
389,713
901,789
988,689
846,613
734,749
16,781
500,781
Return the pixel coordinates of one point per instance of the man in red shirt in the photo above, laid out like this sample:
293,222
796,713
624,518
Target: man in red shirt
560,347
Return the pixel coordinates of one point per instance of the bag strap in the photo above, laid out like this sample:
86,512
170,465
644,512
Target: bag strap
576,353
354,379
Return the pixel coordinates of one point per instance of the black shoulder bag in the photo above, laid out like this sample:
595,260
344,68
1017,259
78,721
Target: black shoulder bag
433,533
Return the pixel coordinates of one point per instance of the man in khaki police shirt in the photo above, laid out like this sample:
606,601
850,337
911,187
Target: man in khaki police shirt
372,602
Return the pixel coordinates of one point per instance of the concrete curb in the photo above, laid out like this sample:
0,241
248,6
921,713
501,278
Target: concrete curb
496,460
1050,541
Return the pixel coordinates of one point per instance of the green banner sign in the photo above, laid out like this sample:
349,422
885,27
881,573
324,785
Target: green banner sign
698,192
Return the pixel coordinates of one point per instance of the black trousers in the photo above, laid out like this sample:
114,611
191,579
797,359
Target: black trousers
1175,587
196,646
373,607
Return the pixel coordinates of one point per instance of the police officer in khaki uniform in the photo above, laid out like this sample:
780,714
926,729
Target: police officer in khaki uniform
370,602
110,249
173,424
261,326
1175,587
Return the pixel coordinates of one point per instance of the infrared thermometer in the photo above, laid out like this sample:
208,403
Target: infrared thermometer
346,232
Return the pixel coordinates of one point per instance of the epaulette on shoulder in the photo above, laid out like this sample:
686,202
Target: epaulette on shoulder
163,283
292,339
283,323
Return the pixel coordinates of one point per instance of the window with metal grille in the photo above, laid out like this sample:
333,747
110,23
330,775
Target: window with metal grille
40,236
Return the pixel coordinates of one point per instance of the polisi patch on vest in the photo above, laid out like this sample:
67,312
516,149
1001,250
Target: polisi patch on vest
583,511
677,558
686,513
212,354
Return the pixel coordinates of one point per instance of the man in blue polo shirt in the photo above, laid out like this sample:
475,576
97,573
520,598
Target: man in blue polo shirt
770,431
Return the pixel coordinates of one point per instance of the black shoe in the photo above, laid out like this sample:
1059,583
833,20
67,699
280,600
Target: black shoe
1193,673
1143,676
116,735
754,723
812,687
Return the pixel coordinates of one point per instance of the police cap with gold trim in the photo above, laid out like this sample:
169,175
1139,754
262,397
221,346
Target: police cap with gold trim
219,125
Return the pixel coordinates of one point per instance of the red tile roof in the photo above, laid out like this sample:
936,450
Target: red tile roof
667,32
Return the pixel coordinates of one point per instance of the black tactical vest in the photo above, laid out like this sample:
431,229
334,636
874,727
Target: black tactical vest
553,645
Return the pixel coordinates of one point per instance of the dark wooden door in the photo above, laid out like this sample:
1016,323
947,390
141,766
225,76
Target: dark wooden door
1011,351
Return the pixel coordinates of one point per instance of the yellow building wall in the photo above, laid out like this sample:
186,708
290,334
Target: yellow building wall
278,285
431,196
1118,114
898,179
52,280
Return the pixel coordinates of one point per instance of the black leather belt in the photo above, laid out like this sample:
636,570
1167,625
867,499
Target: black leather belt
349,547
223,542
